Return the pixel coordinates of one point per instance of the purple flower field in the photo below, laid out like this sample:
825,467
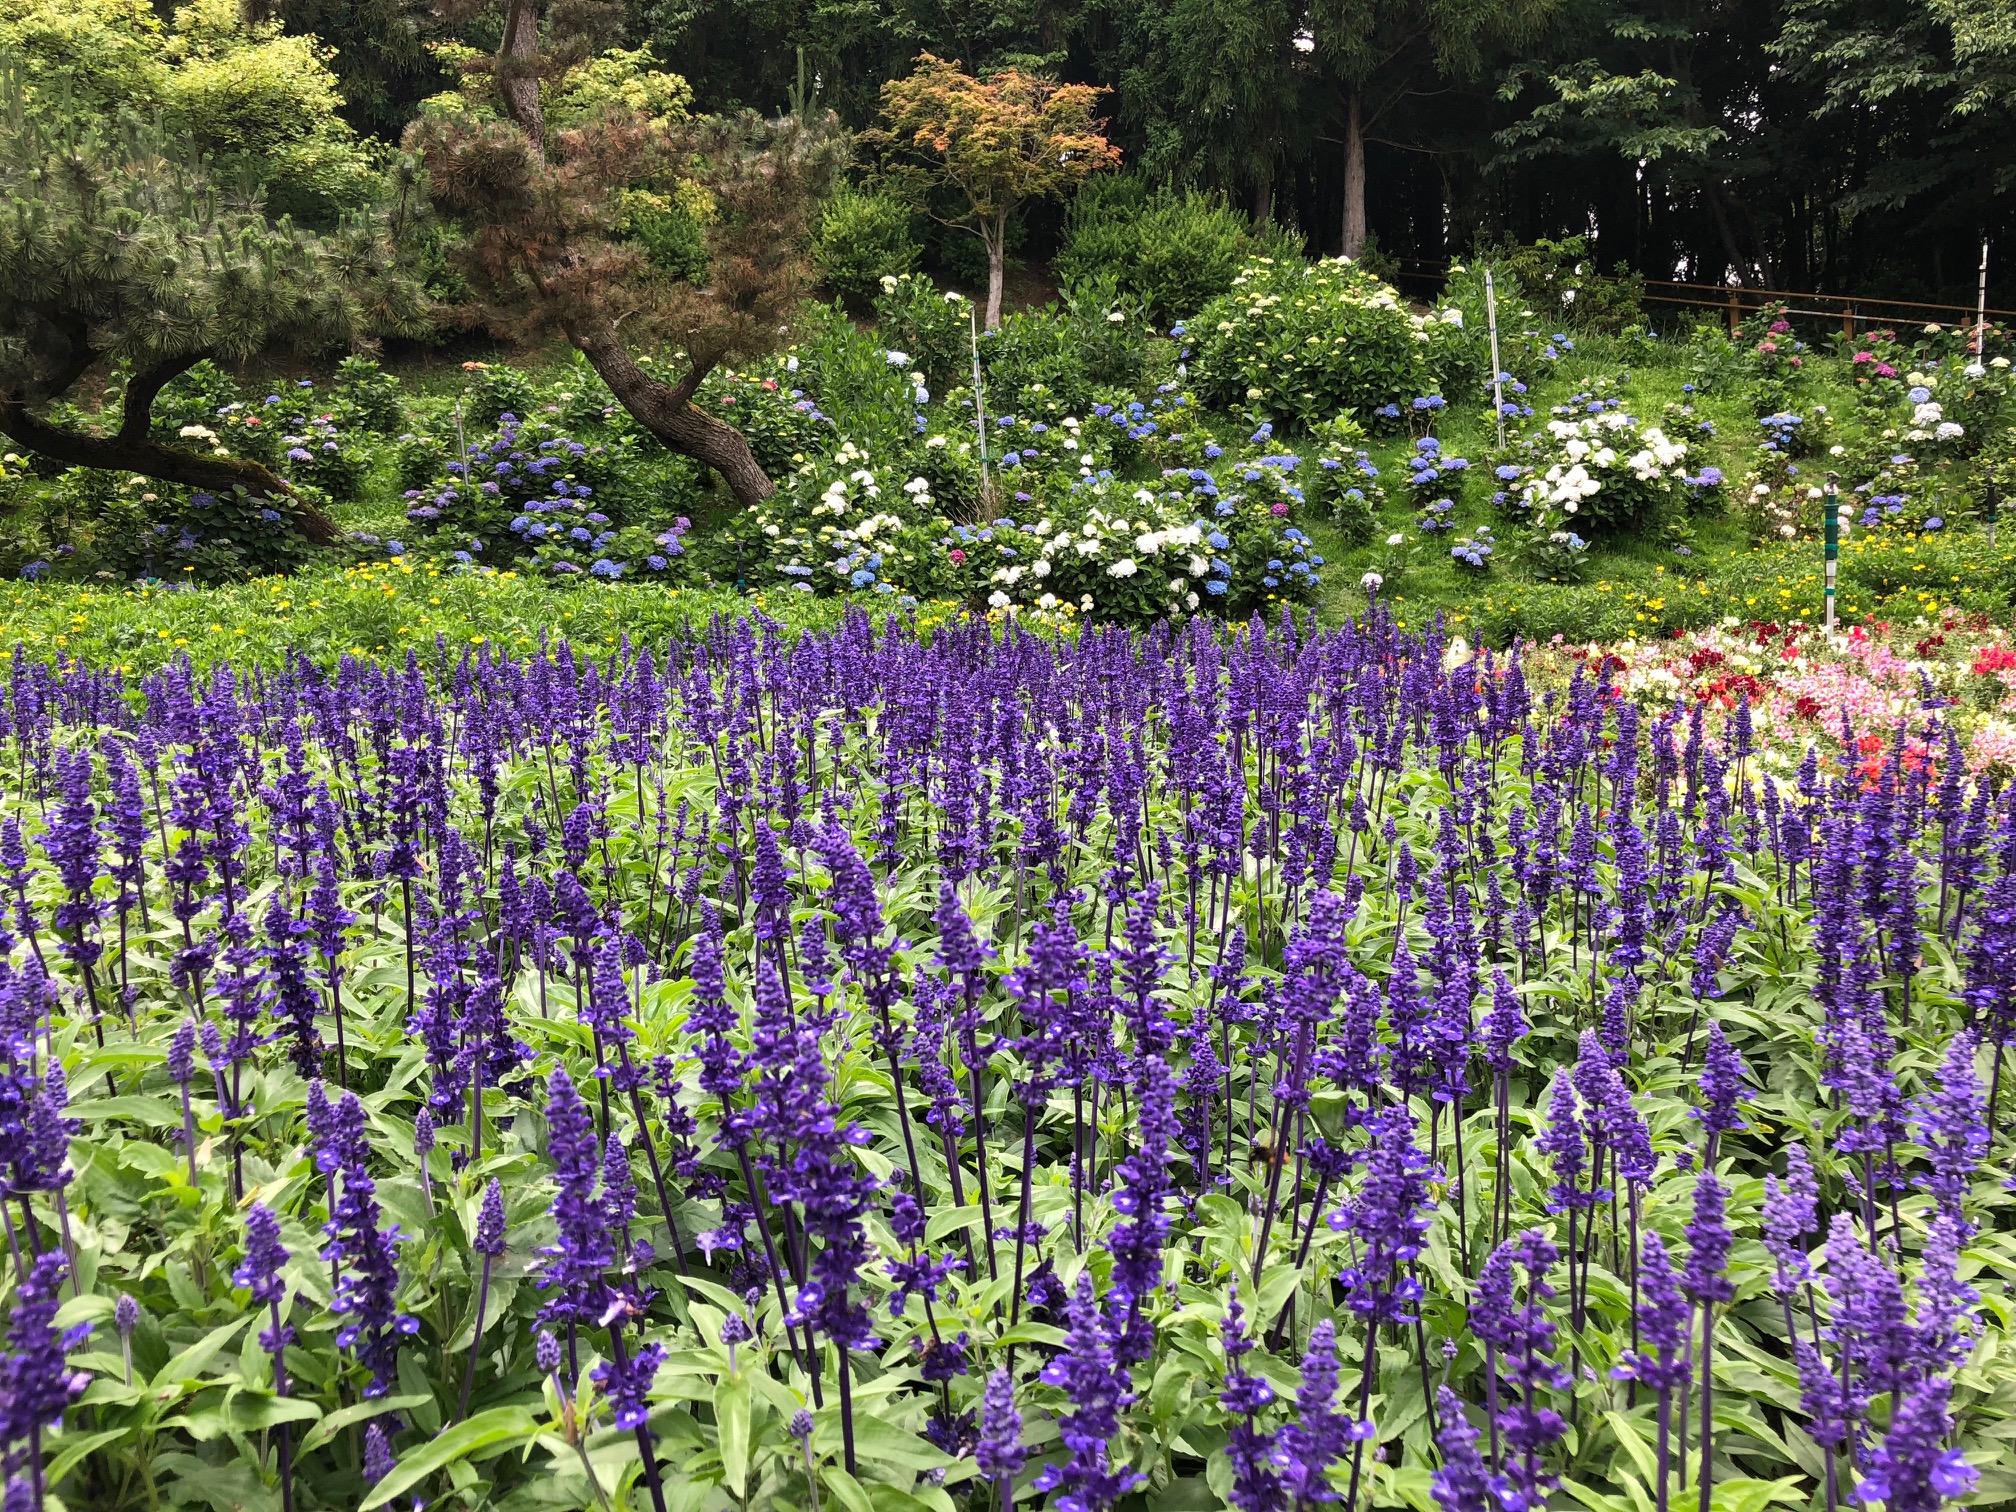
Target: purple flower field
1254,1068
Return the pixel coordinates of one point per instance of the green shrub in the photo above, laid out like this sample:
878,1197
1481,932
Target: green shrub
1597,470
195,398
781,429
499,390
1053,360
1559,280
1299,343
670,232
1171,251
865,235
934,328
368,398
1345,490
86,525
858,386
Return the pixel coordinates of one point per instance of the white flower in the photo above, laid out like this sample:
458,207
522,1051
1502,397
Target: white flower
1998,362
791,363
918,488
931,443
1191,600
1975,370
197,433
1040,568
888,283
1254,393
1198,566
997,599
1115,317
1124,568
1395,539
896,359
1372,582
1928,413
1950,430
1453,316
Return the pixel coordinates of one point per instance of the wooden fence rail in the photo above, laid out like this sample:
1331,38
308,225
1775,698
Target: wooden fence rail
1854,311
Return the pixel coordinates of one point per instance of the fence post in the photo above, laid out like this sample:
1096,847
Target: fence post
1848,322
1735,313
1832,540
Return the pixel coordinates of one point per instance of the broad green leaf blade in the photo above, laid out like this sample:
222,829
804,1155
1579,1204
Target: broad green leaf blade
499,1425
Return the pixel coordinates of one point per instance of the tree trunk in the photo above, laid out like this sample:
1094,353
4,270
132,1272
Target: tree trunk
1354,174
1263,200
131,451
995,235
517,71
669,414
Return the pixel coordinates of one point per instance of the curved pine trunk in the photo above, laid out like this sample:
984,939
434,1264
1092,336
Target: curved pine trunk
668,412
137,453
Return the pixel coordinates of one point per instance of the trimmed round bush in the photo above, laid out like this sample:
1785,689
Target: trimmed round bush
1173,252
1300,342
864,236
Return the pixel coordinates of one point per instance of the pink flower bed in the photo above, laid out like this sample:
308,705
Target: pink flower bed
1957,675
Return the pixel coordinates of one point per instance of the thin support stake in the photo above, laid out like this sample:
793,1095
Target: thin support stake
1497,372
1981,306
1832,539
980,414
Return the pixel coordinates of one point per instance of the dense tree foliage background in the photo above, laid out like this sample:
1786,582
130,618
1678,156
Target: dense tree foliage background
1831,144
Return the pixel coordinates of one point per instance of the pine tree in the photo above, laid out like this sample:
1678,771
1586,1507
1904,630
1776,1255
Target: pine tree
117,253
552,240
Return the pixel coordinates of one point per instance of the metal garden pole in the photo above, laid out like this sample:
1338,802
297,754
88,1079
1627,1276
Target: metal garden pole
1832,537
1497,372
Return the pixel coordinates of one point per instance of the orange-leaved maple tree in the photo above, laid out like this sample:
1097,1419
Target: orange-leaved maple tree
1001,140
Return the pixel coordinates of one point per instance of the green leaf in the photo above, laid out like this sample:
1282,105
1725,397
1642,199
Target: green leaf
731,1412
1642,1457
499,1425
1590,1497
151,1111
252,1410
1186,1493
188,1365
1755,1495
847,1490
877,1438
713,1292
70,1452
362,1412
951,1221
